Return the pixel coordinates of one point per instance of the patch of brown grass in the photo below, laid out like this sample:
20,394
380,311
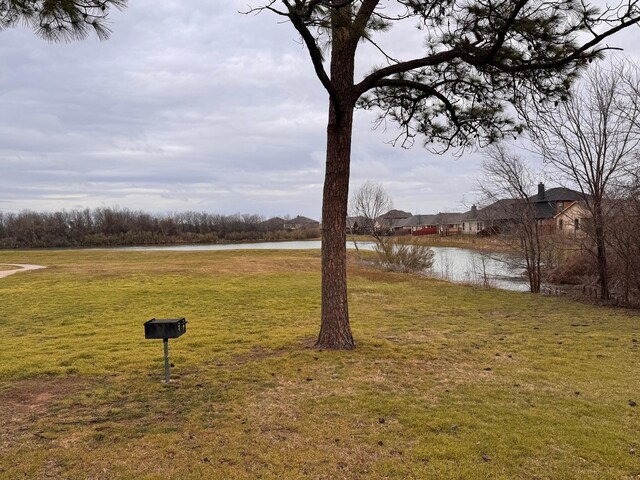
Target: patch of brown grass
28,401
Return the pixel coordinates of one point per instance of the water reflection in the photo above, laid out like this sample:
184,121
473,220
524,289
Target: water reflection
498,270
453,264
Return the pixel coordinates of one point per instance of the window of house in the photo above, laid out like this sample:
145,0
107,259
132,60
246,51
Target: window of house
576,224
560,224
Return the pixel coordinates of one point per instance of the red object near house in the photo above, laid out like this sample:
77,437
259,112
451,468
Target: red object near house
425,231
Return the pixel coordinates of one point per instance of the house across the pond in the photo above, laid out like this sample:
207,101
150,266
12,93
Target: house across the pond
555,210
299,223
558,209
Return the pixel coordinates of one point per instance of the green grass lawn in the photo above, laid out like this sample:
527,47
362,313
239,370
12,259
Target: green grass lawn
447,382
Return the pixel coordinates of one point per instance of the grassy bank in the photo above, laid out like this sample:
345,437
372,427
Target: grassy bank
447,381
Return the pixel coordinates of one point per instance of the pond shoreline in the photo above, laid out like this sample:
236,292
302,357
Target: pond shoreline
470,243
454,263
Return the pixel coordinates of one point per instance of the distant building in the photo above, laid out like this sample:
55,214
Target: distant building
555,210
449,223
553,202
420,225
443,223
391,221
471,224
571,220
298,223
359,225
490,219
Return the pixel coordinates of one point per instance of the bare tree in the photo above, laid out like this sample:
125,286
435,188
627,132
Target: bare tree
368,203
477,57
592,138
506,184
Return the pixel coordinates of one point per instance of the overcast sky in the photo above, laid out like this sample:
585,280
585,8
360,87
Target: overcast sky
195,107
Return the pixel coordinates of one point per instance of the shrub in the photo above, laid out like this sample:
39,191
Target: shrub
574,270
405,255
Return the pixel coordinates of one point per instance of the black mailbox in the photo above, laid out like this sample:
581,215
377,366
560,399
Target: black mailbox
164,328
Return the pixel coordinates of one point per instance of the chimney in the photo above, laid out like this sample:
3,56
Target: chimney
540,191
474,211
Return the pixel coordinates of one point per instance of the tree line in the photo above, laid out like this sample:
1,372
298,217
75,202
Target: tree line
112,226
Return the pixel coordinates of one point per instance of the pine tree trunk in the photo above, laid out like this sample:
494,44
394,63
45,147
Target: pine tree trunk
335,331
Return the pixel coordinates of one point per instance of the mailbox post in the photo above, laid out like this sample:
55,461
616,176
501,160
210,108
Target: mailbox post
165,328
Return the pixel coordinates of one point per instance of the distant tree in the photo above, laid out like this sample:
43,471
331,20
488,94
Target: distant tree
121,226
592,138
476,58
368,203
506,184
60,20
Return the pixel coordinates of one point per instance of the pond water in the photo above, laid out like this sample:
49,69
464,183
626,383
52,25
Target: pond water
453,264
498,270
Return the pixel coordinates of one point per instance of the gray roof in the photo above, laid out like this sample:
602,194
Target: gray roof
546,207
273,221
507,209
302,220
500,210
394,215
447,218
558,194
470,215
419,221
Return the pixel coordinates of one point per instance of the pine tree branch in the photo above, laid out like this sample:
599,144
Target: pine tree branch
425,89
488,56
60,20
315,53
362,19
373,79
582,53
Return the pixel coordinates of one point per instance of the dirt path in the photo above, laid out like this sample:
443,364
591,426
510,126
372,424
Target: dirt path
21,267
